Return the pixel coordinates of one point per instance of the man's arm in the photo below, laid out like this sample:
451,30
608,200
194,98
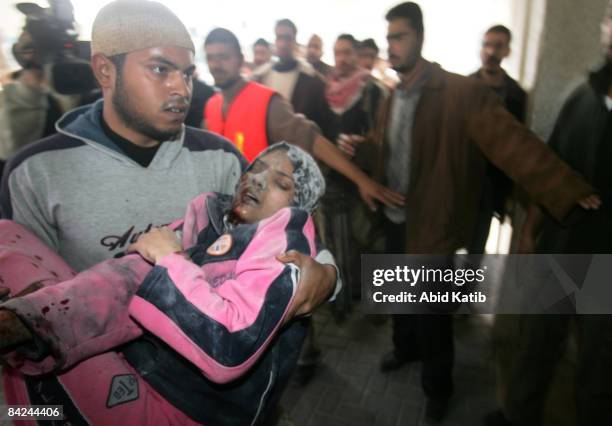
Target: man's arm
527,160
85,315
284,125
535,216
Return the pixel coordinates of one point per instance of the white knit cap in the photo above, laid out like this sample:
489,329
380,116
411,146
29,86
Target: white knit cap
128,25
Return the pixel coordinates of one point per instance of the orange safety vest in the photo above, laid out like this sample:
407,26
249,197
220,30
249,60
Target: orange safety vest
245,122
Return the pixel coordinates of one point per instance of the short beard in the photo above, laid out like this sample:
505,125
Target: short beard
411,61
132,119
407,66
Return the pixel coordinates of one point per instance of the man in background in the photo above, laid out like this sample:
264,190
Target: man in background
497,186
435,135
262,53
367,52
314,53
297,81
253,117
496,48
350,229
28,108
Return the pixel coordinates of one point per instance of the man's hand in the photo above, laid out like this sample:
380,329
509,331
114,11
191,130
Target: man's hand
369,191
592,202
316,282
156,243
348,143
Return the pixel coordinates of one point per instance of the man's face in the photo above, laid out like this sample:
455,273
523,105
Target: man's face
261,54
345,56
367,57
153,91
265,188
224,63
495,47
314,50
25,51
285,42
606,38
404,45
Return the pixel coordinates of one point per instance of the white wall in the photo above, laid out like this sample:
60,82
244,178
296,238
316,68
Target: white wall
570,47
453,29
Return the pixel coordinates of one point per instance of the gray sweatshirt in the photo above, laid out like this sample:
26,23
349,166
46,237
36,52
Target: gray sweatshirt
88,201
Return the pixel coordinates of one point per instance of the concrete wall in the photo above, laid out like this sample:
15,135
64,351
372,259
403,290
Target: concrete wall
569,47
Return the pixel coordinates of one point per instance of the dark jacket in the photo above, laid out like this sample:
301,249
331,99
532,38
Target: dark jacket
458,122
360,119
582,136
202,92
512,94
322,68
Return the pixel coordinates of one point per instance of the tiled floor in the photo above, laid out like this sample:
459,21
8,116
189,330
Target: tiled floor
349,389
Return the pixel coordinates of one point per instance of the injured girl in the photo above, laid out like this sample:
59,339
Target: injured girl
193,328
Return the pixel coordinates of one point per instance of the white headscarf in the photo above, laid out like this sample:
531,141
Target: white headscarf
307,177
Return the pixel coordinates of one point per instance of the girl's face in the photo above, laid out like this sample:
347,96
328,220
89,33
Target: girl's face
265,188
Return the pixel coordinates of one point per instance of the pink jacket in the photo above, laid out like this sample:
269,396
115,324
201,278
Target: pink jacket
220,309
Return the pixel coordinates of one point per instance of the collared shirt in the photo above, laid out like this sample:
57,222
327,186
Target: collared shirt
403,107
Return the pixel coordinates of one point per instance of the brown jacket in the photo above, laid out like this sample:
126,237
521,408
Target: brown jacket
457,120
